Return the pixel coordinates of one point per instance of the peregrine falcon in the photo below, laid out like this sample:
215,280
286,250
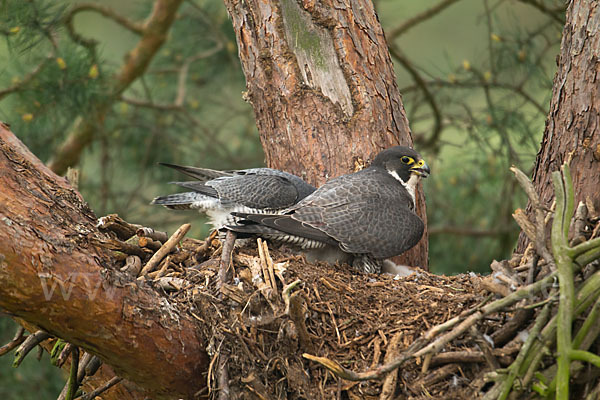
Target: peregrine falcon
365,217
219,193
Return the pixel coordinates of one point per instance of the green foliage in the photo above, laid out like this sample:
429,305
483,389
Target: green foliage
26,24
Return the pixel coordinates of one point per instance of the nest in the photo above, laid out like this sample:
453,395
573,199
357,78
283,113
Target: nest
277,310
278,327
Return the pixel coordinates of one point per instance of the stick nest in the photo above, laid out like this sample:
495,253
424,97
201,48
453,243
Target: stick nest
278,327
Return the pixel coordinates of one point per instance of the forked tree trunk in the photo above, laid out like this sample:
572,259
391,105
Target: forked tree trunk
321,81
573,123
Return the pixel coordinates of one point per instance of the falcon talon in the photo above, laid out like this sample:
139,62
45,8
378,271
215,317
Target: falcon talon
360,218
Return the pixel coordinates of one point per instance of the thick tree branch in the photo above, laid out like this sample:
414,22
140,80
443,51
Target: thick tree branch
53,276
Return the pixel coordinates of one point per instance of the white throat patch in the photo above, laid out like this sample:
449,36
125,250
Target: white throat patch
410,186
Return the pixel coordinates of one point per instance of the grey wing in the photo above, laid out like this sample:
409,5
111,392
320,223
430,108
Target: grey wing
304,189
202,174
364,216
186,201
270,192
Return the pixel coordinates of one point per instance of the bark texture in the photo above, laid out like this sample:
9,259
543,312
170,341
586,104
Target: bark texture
47,240
573,123
321,81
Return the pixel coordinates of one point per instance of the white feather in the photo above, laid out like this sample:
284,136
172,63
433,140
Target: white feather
410,186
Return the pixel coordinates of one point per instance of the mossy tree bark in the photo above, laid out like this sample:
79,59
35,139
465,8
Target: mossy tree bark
321,81
54,276
573,123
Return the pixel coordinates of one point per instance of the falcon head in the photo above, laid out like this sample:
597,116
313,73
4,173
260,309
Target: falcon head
402,163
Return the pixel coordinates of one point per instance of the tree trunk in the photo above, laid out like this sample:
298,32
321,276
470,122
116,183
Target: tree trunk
322,84
573,123
55,276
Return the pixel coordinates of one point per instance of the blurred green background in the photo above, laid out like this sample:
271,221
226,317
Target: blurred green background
476,80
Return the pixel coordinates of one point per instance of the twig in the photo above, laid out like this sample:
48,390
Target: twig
135,27
178,103
183,72
469,356
436,330
162,269
225,272
90,44
556,14
151,233
376,373
61,351
470,85
579,224
150,104
148,243
118,225
29,344
202,249
540,226
296,313
223,378
16,341
83,363
133,265
437,118
389,384
586,294
486,349
73,383
96,392
27,78
533,269
268,276
563,189
417,19
92,367
119,246
509,329
520,216
435,376
517,364
286,294
270,267
165,249
581,248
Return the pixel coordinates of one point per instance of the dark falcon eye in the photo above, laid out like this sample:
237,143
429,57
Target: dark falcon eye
406,160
